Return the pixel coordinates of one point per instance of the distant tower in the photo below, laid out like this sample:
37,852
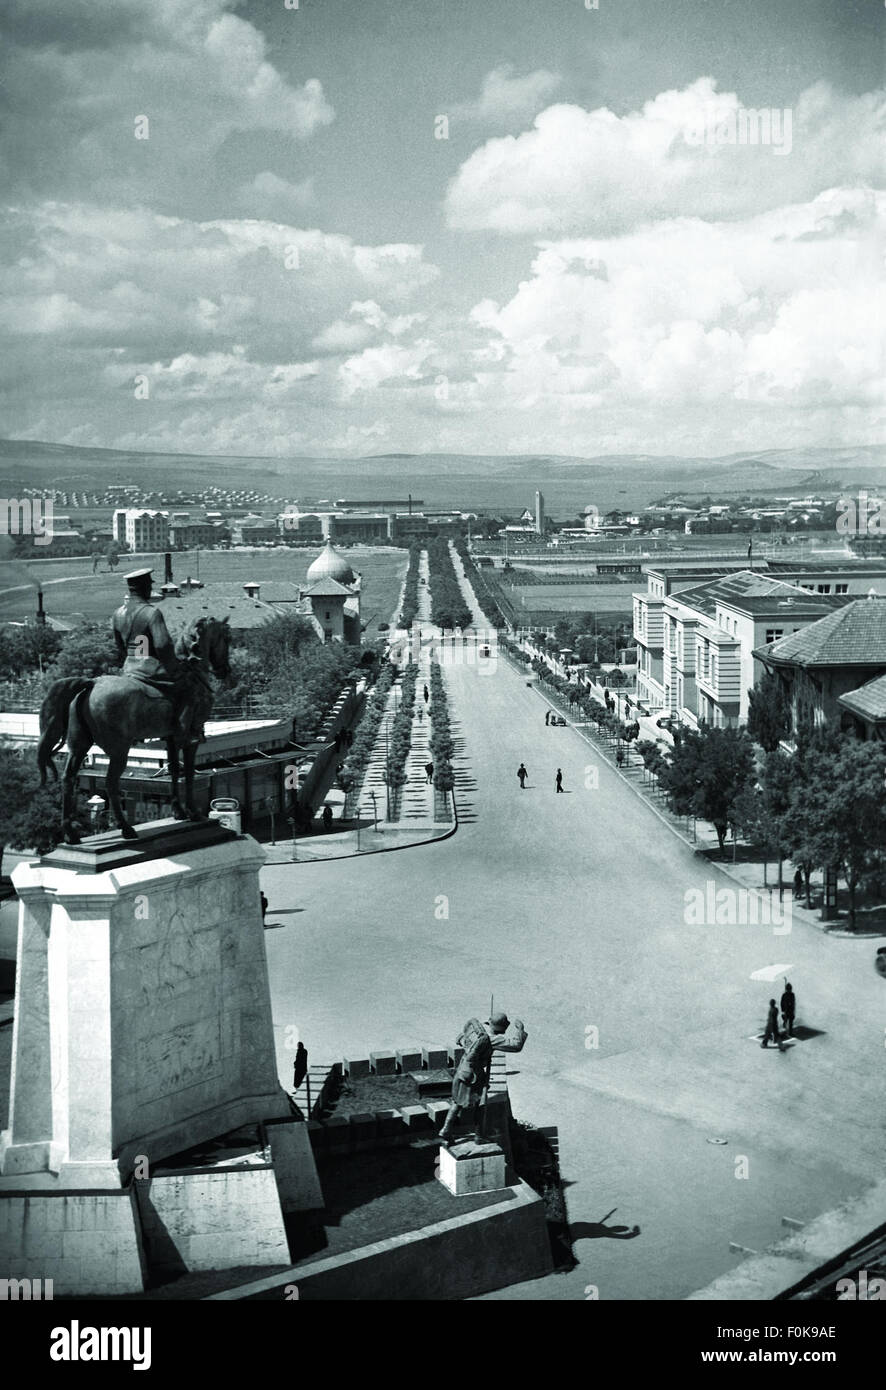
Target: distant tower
539,513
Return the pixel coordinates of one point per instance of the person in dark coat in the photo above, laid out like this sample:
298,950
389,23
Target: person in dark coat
429,772
547,716
522,774
299,1066
798,884
772,1027
427,694
788,1008
559,780
264,906
327,817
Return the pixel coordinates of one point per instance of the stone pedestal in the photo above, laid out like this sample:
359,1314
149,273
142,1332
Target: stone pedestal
471,1165
142,1018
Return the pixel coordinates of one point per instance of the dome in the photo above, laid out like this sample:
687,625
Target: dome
330,564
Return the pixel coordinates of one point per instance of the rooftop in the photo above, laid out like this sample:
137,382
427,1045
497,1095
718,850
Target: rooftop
869,700
854,635
742,588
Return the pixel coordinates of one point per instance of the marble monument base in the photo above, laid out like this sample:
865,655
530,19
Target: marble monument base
142,1028
471,1165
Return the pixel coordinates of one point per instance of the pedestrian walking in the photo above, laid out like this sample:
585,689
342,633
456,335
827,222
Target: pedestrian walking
427,694
798,884
788,1005
264,907
327,817
559,780
429,772
522,774
772,1027
547,716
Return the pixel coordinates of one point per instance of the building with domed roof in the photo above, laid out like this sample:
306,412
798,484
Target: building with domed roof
330,597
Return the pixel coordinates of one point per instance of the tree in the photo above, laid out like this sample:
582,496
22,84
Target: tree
112,555
24,649
837,819
761,812
88,651
30,815
706,772
769,712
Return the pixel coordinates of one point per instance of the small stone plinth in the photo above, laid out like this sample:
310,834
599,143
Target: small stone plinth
408,1059
455,1054
416,1117
471,1165
383,1063
434,1057
355,1067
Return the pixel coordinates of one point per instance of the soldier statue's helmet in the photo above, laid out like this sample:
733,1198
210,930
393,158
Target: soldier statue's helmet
500,1022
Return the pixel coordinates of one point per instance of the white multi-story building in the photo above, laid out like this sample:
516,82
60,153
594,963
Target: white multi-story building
141,529
695,647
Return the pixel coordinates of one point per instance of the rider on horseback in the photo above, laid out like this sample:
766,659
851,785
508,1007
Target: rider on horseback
148,654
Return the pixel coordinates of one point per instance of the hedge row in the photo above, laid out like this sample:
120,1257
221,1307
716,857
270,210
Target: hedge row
409,609
442,744
448,606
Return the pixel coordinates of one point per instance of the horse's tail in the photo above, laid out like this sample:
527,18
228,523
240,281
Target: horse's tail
54,719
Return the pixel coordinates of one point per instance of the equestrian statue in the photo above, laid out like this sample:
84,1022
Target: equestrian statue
163,692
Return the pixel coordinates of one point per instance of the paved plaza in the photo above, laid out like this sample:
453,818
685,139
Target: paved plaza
570,910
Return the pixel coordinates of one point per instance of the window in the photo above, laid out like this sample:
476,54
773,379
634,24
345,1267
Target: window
328,615
824,588
841,588
773,633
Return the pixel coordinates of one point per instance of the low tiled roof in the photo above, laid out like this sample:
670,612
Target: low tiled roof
854,635
242,612
869,700
327,588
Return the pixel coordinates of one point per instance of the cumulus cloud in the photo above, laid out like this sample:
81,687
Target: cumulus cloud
225,311
198,74
596,172
268,195
506,100
688,310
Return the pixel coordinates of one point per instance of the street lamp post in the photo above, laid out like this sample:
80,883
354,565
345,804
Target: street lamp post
374,811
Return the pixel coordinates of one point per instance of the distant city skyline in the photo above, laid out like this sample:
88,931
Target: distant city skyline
343,229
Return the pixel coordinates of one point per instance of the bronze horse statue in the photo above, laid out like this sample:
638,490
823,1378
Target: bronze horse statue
117,711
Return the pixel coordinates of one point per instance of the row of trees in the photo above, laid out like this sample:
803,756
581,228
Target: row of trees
448,606
485,599
400,740
409,608
351,775
442,743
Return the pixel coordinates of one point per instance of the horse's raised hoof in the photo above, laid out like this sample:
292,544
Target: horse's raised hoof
128,833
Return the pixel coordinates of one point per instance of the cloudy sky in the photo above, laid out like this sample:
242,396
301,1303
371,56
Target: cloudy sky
487,226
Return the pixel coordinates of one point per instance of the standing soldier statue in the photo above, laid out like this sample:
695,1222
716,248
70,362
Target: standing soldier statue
470,1084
